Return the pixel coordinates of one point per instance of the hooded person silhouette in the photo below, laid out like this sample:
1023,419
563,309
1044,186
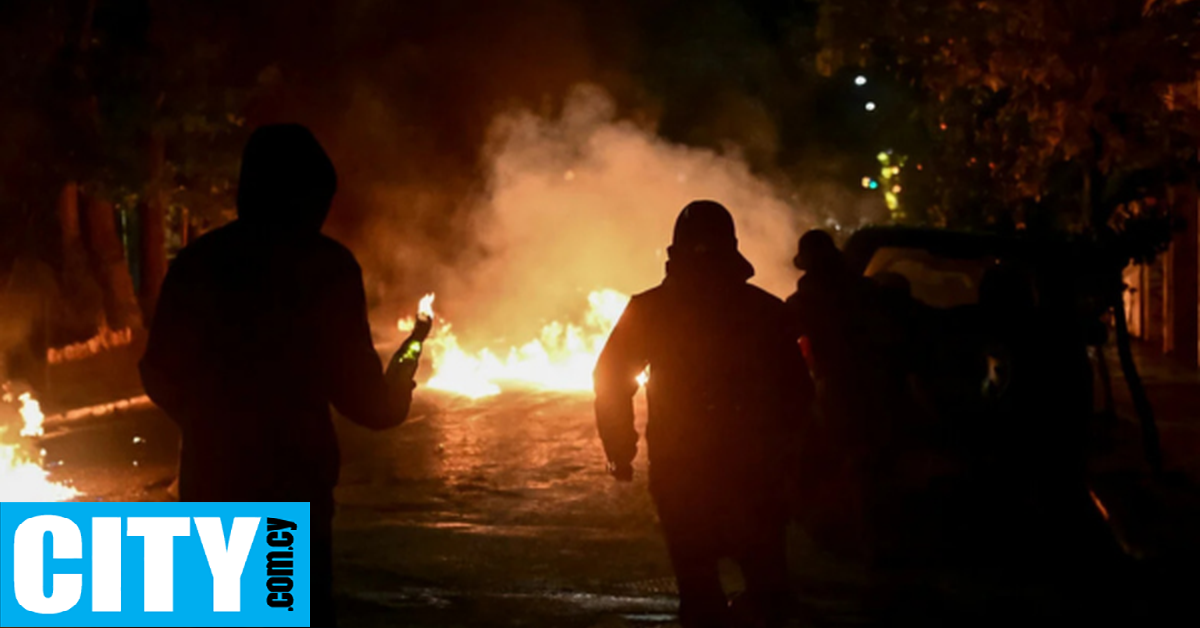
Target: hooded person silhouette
843,317
727,394
260,326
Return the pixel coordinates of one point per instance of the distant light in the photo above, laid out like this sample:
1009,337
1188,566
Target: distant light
870,106
895,169
882,157
860,80
874,184
895,189
866,182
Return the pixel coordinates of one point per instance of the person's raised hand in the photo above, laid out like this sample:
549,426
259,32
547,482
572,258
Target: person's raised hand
421,327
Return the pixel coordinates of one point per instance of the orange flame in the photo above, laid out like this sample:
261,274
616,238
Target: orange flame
561,358
22,477
425,308
31,416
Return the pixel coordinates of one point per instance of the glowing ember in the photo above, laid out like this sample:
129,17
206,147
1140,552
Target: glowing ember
1099,505
106,339
561,358
22,477
103,409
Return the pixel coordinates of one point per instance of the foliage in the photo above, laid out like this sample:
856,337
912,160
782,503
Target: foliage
1059,111
25,53
158,80
129,98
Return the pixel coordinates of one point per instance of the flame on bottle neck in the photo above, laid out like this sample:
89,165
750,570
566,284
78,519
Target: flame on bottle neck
425,307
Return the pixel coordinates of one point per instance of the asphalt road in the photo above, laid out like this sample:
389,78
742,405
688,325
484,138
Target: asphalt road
499,513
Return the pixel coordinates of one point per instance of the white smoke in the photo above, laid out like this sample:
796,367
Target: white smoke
585,201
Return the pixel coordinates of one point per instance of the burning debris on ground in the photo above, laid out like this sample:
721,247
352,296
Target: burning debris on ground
104,340
24,474
561,358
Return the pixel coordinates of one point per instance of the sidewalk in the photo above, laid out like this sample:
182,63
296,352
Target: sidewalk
1174,391
104,377
1155,519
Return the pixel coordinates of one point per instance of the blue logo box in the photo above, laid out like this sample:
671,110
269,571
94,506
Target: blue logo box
154,564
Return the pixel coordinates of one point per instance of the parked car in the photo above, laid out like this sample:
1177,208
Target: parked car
993,461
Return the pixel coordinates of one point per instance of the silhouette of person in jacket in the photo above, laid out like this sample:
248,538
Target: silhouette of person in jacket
727,391
261,325
841,315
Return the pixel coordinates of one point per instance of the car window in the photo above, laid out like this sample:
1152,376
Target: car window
940,282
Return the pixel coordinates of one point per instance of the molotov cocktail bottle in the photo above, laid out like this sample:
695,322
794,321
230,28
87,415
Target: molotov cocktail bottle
404,363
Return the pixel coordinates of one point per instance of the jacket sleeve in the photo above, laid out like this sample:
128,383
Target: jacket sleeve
794,310
173,366
357,386
798,383
624,357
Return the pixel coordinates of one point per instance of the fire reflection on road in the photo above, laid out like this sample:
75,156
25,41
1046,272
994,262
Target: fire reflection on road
504,500
516,459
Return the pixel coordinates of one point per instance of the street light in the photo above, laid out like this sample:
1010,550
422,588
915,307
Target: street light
860,80
870,106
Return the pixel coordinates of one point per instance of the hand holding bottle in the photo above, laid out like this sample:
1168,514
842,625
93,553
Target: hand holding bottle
403,365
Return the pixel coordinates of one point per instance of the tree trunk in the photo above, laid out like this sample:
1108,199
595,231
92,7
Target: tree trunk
68,220
83,299
153,216
185,227
85,30
1141,402
120,302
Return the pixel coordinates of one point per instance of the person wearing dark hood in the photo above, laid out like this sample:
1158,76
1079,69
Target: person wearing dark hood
727,393
261,326
834,310
827,293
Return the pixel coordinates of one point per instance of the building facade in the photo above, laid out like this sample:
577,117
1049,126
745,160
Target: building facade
1162,303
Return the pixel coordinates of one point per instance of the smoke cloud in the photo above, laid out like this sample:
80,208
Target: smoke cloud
581,201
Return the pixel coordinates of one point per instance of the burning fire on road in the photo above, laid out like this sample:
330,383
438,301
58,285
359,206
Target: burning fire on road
23,476
576,213
561,358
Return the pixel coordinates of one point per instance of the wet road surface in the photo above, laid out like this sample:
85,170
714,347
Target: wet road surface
488,512
498,512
